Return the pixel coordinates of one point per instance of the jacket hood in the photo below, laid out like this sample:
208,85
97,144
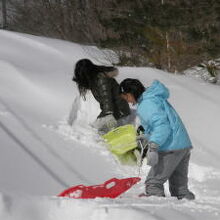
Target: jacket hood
157,89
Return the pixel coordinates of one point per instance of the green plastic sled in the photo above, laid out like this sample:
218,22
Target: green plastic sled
121,142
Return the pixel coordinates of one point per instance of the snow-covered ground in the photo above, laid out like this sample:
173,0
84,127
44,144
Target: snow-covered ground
41,154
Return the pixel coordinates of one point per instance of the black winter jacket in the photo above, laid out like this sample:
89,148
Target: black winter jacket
106,91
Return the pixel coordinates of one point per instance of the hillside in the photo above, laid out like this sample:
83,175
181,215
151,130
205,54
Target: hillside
41,154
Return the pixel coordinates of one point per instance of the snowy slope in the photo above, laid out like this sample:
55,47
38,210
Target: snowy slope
41,154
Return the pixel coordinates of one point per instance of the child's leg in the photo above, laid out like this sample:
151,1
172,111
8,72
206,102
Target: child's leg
160,173
178,181
153,184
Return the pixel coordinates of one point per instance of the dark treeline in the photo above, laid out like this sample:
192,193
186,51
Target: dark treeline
167,34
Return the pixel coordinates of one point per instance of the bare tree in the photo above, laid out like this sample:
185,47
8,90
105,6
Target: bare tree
4,14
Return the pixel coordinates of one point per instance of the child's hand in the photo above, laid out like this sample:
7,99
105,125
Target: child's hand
142,140
107,121
152,154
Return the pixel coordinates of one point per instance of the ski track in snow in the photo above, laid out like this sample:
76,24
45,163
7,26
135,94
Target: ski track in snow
42,142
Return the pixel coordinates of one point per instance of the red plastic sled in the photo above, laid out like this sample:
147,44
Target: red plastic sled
110,189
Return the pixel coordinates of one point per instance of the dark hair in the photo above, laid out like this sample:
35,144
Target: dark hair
133,86
86,72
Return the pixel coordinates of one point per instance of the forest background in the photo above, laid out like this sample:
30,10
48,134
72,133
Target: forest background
166,34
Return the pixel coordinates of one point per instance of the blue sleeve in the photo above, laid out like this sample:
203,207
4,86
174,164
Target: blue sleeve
155,117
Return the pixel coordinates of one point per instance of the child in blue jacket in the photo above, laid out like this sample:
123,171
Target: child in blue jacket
169,145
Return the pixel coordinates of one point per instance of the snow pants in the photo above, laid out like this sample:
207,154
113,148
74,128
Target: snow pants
172,166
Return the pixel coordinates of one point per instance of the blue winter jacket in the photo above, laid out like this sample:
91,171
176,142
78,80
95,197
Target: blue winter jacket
161,122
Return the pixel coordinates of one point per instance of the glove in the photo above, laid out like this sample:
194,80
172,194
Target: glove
152,154
107,122
110,122
141,138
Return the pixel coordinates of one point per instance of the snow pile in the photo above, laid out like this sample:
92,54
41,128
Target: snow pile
47,143
208,71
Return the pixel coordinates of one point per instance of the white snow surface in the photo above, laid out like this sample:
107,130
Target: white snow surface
41,154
